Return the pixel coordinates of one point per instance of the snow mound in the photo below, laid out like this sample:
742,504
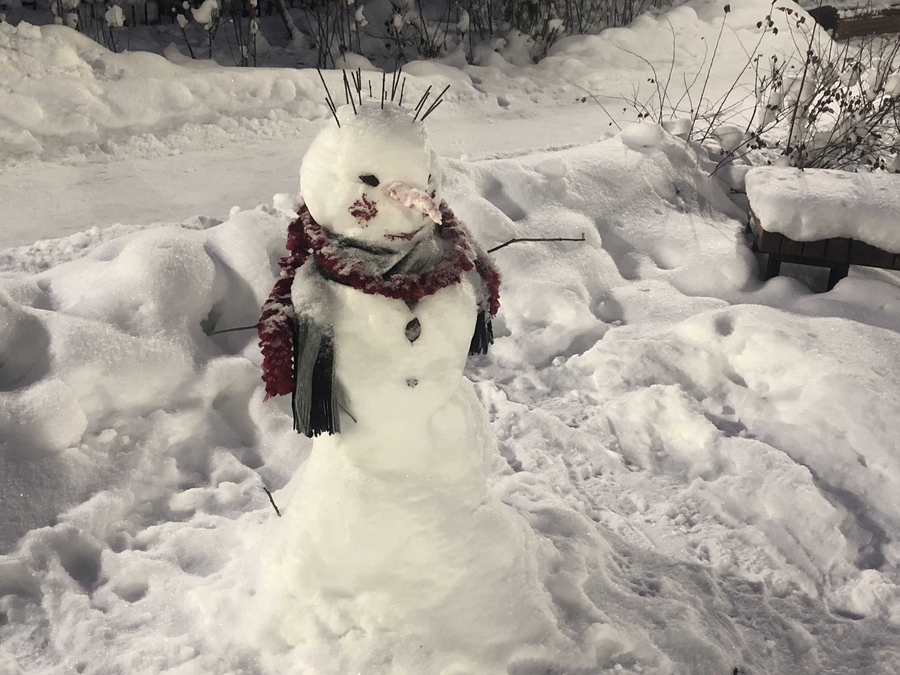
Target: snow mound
60,88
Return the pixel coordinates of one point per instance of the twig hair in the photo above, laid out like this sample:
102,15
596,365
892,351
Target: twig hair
352,81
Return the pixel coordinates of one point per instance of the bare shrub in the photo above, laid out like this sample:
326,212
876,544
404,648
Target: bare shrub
836,105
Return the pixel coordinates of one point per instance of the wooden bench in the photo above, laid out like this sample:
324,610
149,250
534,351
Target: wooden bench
837,252
856,21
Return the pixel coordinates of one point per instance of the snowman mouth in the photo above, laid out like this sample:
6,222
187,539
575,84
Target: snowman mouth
403,236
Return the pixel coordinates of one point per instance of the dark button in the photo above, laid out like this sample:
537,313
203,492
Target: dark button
413,330
412,304
412,382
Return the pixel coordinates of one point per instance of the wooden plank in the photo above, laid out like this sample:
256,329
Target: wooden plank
768,242
773,266
814,249
837,250
862,253
837,273
876,23
791,247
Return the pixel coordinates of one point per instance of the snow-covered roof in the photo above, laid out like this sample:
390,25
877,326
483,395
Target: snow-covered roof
851,6
813,204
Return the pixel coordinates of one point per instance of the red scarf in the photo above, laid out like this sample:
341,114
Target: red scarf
335,259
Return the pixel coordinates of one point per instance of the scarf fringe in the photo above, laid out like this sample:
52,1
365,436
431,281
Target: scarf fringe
484,334
313,396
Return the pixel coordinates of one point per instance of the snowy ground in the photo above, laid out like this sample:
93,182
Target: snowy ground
715,460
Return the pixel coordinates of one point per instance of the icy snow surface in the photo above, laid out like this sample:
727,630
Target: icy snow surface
821,203
709,464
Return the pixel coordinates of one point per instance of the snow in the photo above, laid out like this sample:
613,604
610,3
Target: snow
389,532
822,203
384,144
372,534
64,94
205,12
706,465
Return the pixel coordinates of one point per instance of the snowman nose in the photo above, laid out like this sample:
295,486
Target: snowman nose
415,199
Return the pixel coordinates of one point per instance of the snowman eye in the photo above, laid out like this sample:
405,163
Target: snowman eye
369,179
429,179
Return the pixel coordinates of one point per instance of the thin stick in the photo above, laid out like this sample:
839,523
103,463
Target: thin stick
393,85
349,93
327,92
422,102
328,100
232,330
333,111
436,103
383,83
712,60
431,109
272,501
602,107
423,99
521,239
357,85
402,87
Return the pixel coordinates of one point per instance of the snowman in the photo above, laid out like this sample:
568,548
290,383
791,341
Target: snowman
390,537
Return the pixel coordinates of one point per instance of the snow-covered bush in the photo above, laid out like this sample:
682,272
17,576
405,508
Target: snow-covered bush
842,106
827,105
383,31
207,15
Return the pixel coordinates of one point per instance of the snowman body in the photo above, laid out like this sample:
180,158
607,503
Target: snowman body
390,527
402,396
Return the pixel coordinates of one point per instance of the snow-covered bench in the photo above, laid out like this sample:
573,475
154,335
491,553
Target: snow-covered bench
827,218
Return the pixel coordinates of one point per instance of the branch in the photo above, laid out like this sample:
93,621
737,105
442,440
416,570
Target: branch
231,330
272,500
597,100
520,239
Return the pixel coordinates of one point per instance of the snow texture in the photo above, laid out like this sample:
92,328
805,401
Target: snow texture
63,94
813,204
707,465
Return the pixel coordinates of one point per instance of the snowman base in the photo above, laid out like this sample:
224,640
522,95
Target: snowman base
378,570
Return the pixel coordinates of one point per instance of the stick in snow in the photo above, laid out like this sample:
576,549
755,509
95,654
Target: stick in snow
272,500
230,330
521,239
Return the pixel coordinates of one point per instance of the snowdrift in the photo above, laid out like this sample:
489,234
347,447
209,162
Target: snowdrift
712,461
61,94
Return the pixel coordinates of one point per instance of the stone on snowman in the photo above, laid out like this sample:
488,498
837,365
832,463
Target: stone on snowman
390,532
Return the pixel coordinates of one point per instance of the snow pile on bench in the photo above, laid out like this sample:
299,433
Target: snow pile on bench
820,204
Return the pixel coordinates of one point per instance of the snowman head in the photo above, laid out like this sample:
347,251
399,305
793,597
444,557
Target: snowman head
374,179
